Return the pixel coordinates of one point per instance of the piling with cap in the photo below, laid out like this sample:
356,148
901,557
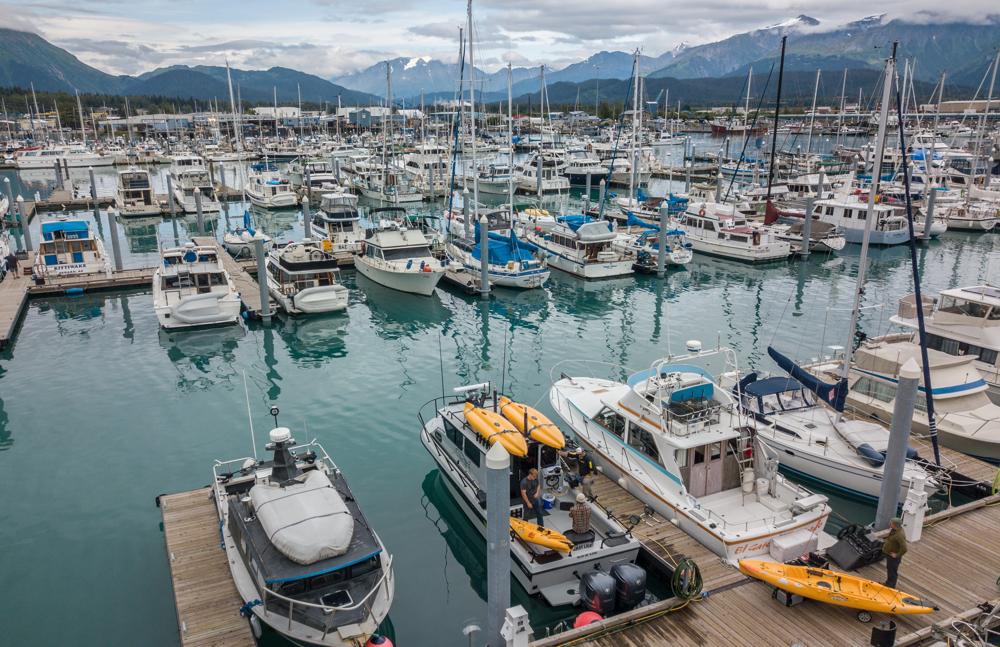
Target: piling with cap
586,196
115,247
484,256
93,195
807,223
308,179
661,237
602,190
265,296
222,178
10,196
899,434
336,168
718,177
59,175
497,541
22,218
929,217
465,213
173,209
201,214
306,218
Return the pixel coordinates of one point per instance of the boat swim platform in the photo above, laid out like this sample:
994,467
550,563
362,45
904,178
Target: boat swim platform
955,566
205,596
246,285
16,290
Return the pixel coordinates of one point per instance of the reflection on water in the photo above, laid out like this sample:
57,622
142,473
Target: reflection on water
202,357
396,314
141,234
312,339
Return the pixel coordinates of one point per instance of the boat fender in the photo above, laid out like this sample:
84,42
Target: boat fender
586,618
246,610
74,291
379,640
255,628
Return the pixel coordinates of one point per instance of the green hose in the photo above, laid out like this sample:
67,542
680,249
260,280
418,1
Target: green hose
686,581
996,482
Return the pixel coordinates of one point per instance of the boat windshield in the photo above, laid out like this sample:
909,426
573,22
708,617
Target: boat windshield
403,253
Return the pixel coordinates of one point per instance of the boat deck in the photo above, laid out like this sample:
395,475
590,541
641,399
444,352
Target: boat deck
245,284
954,565
204,593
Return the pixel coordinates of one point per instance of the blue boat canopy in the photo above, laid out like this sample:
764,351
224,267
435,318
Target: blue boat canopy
575,221
74,229
834,394
772,385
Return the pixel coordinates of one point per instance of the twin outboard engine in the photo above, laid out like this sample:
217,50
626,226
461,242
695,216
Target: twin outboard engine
622,590
630,586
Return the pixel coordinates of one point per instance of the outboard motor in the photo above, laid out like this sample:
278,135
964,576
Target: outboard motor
630,586
597,592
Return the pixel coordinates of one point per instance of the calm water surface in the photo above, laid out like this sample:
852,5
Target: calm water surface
100,412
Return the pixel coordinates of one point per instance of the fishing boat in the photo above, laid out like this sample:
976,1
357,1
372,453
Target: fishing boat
541,173
270,191
302,278
69,248
190,177
720,230
583,168
134,195
311,174
493,178
191,287
459,430
304,558
583,246
831,587
337,220
511,262
964,322
399,258
680,443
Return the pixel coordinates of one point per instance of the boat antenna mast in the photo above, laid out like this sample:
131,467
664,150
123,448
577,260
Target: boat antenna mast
246,394
777,109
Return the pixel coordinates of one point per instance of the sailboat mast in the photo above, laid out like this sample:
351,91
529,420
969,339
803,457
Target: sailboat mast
79,109
746,106
812,121
274,90
241,169
635,129
937,112
890,68
980,158
840,115
472,117
510,139
777,107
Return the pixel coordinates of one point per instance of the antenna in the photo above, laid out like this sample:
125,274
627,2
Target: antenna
246,393
274,414
441,365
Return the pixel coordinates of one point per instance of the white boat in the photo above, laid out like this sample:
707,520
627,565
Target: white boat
581,166
428,163
388,187
643,240
189,176
964,322
677,441
302,278
69,248
269,191
720,230
312,174
493,179
967,420
970,216
191,288
242,241
304,559
399,258
542,171
337,220
73,156
849,213
461,456
134,195
583,246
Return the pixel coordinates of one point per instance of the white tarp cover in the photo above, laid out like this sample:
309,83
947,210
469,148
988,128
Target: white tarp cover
859,432
306,521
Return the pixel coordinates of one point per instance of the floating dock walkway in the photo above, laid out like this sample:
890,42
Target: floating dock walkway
204,593
955,566
245,284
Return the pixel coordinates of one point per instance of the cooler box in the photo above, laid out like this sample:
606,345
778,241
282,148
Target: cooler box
785,548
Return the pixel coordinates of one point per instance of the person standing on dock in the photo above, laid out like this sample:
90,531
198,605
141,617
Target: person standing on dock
11,262
531,494
894,548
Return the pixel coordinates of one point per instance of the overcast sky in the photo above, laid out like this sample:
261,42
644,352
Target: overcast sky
331,37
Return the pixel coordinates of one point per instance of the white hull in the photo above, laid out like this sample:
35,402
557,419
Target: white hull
65,162
188,205
209,309
279,201
758,254
413,281
315,300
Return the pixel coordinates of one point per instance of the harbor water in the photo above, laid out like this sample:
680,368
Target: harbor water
100,411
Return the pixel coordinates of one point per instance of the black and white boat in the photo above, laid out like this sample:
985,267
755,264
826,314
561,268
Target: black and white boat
303,557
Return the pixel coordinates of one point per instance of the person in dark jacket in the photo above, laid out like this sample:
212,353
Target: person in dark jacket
894,548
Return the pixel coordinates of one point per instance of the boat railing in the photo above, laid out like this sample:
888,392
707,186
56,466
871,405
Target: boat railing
303,606
219,467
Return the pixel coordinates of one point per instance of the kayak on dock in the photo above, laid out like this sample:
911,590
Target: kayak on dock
831,587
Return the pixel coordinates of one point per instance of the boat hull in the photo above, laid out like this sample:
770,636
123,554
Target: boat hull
416,282
211,309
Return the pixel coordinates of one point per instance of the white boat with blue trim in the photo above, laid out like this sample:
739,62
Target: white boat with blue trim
583,246
69,247
680,443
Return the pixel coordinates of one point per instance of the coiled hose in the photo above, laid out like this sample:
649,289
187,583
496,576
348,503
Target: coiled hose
686,582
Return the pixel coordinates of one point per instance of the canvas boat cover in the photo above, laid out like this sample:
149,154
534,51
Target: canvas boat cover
307,520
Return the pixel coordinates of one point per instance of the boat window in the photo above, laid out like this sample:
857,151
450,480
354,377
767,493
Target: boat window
367,566
326,579
872,388
643,441
829,211
715,451
681,457
862,214
291,589
848,213
405,253
454,435
699,456
612,421
472,451
955,347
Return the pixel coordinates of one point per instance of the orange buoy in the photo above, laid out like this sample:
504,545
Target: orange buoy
378,640
586,618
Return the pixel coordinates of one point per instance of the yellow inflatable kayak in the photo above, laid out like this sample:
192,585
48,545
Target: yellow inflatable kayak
831,587
539,429
535,534
493,427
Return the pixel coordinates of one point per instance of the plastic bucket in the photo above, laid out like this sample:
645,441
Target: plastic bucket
548,500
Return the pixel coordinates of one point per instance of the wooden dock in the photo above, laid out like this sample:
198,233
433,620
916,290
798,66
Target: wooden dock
954,565
204,593
462,280
13,299
246,284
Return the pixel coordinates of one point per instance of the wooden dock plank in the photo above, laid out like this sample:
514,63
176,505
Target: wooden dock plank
13,298
206,599
245,284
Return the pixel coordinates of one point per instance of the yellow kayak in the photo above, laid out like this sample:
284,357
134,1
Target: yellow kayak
540,428
831,587
493,427
535,534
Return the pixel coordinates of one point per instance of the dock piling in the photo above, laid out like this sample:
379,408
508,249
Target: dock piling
336,168
484,257
115,246
307,176
718,177
929,217
661,256
59,176
22,218
93,194
538,177
602,190
586,196
222,178
10,196
306,225
265,296
899,433
497,541
807,225
201,214
173,209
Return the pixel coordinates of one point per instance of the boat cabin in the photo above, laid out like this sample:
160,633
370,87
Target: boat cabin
68,247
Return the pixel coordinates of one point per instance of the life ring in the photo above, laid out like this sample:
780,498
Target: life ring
701,212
